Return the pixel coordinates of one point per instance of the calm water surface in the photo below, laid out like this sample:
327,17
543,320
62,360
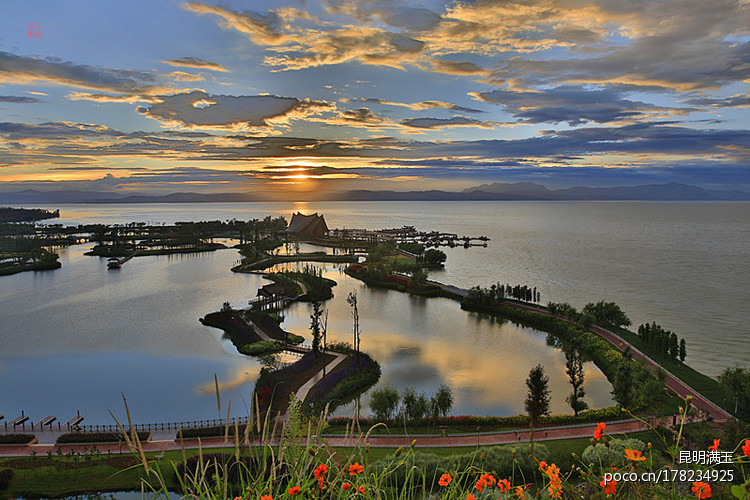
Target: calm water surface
77,337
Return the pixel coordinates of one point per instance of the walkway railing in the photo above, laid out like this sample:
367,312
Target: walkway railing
164,426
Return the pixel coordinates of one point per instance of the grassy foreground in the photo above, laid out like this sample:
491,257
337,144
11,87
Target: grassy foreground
294,460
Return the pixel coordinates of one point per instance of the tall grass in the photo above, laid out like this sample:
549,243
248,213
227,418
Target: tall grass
280,457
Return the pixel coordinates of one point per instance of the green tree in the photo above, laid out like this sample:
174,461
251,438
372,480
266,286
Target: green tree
383,403
622,388
735,382
683,350
414,406
443,400
537,399
434,258
315,327
418,280
607,314
574,369
351,299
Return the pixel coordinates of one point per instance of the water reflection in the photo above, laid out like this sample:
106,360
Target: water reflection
422,343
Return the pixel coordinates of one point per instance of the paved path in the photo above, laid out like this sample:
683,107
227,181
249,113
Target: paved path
376,441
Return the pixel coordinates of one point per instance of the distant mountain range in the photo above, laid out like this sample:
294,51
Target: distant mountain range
530,191
498,191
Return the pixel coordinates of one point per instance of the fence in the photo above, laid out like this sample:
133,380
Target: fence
164,426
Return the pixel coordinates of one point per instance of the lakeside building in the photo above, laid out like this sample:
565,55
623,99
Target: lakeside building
308,226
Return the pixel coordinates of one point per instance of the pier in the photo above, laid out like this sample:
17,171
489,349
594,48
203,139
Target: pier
115,263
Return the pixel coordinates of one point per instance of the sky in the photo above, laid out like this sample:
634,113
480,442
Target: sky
310,97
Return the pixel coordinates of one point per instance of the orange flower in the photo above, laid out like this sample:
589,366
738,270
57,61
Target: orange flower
320,470
519,492
609,486
715,446
321,482
355,469
542,465
445,479
266,497
360,489
470,497
746,448
237,498
346,486
599,432
504,485
634,455
702,490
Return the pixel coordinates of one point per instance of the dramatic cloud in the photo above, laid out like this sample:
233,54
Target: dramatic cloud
737,101
203,110
417,106
574,105
18,99
194,62
392,13
456,121
316,47
16,69
458,67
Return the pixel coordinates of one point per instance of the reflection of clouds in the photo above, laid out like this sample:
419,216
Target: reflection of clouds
245,375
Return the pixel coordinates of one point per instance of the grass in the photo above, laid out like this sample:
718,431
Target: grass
705,385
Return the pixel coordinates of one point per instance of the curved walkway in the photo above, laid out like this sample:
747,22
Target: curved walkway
376,441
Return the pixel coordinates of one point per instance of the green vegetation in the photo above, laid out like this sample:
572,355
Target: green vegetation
470,423
16,438
384,403
606,356
735,383
262,348
350,379
9,214
663,342
606,314
317,287
97,437
19,254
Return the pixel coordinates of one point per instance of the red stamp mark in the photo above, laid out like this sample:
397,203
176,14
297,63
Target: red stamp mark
34,30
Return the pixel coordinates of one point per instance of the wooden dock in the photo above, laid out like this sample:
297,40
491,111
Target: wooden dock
115,263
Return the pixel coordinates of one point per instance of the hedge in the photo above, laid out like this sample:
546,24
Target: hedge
588,416
5,476
262,348
214,431
98,437
16,438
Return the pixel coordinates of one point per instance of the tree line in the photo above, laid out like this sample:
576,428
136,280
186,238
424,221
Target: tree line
664,342
497,293
384,403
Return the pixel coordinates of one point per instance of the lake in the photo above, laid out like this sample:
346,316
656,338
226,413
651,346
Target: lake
75,338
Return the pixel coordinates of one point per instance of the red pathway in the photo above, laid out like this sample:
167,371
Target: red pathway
376,441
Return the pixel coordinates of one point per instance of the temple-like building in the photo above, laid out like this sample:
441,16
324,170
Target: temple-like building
308,226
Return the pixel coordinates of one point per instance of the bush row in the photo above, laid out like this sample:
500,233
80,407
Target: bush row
502,460
5,476
346,382
598,415
601,352
16,438
98,437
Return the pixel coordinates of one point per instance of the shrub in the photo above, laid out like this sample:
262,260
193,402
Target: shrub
214,431
603,456
98,437
16,438
5,476
262,348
